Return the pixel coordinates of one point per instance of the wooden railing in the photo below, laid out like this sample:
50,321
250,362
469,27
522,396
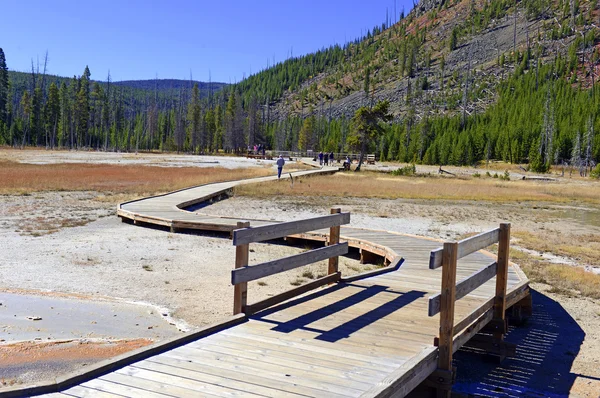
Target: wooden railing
244,273
491,311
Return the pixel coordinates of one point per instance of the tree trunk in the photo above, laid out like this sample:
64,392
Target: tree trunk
363,149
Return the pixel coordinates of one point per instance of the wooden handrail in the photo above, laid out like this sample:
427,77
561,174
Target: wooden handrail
243,273
279,230
450,292
465,286
466,246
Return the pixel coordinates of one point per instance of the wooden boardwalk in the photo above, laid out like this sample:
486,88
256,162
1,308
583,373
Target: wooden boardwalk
367,337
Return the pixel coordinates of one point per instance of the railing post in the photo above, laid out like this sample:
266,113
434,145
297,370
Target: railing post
334,238
448,298
499,320
240,293
444,375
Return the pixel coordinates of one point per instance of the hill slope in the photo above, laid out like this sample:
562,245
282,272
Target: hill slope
421,62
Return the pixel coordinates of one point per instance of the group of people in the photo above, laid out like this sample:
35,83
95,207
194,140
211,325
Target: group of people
325,158
256,149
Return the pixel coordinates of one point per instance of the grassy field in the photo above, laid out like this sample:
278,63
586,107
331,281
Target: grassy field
131,180
384,186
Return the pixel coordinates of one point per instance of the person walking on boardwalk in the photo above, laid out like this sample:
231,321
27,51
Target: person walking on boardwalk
331,158
280,163
320,158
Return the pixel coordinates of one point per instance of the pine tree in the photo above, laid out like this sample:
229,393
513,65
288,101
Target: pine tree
195,119
52,113
3,89
306,136
366,127
82,108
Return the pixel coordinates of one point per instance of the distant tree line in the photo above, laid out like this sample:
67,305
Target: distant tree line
543,114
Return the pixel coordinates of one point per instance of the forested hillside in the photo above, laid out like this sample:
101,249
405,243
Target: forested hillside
466,81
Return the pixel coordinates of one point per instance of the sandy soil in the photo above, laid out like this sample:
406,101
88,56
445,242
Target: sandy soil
94,256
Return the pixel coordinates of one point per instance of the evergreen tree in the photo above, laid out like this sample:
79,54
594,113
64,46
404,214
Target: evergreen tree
306,137
367,128
52,113
3,89
195,118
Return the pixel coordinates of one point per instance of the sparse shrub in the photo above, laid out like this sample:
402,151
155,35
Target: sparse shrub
505,176
476,175
405,171
308,274
297,282
495,175
487,174
596,172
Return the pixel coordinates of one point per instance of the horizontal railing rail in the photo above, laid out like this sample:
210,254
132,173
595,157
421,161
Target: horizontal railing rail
280,230
466,247
268,268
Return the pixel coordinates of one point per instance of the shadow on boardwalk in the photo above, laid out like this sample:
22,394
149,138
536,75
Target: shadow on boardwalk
546,347
345,329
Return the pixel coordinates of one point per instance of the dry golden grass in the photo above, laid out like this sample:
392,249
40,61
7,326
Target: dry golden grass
20,178
584,248
375,185
563,278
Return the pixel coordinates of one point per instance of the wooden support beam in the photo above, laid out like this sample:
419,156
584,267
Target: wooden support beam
501,277
492,346
334,239
240,293
368,257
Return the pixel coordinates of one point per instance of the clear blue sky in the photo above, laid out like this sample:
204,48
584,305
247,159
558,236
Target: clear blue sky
137,39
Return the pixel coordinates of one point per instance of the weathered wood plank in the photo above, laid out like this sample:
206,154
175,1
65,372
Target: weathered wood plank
279,230
280,298
244,381
226,365
247,274
404,379
466,246
112,387
329,359
83,392
174,384
234,348
465,286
